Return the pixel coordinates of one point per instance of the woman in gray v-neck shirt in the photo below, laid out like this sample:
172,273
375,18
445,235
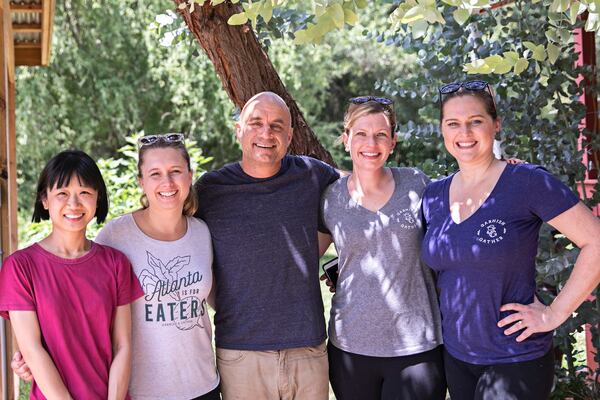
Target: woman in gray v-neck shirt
384,331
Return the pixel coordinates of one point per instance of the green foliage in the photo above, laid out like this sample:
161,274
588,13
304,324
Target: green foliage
110,77
120,175
24,389
419,18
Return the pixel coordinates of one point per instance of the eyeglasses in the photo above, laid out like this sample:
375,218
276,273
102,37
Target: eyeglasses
364,99
167,138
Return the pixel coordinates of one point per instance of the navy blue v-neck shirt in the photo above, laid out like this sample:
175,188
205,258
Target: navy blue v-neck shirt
489,260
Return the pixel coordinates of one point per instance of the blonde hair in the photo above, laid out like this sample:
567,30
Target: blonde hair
356,111
190,205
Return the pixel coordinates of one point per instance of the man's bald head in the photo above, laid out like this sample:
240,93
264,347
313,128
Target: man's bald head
266,97
265,133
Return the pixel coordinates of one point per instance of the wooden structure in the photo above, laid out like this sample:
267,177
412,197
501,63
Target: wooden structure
26,34
585,46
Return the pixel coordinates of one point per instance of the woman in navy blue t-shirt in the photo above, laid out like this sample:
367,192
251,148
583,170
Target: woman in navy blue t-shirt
483,224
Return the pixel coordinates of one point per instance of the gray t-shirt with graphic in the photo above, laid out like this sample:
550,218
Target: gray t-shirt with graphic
385,303
172,354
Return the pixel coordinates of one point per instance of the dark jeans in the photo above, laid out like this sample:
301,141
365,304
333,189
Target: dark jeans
527,380
415,377
212,395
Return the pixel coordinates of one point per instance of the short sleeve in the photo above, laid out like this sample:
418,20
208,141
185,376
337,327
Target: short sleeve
322,208
327,175
425,178
16,287
425,204
333,175
199,189
128,286
104,236
547,196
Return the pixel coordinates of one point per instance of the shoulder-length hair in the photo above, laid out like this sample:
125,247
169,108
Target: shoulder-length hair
59,171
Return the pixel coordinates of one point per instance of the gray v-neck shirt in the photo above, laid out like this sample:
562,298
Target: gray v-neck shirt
385,303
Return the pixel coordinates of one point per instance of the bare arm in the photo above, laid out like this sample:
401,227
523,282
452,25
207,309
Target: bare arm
120,368
27,331
580,226
324,242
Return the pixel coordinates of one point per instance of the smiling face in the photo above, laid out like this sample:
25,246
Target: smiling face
264,133
369,141
165,178
468,130
72,206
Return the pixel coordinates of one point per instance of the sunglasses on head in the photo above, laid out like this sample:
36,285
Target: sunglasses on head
364,99
475,85
167,138
467,85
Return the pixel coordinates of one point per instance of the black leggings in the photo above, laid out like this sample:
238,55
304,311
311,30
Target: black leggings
415,377
526,380
214,394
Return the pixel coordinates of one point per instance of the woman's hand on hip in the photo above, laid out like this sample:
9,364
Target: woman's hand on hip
532,318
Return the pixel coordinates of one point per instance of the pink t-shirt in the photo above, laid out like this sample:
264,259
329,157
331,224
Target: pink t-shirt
75,301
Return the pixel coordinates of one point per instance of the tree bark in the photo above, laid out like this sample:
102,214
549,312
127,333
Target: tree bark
245,68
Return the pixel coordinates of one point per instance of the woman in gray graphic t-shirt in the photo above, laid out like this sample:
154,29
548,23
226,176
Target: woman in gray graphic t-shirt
384,330
171,253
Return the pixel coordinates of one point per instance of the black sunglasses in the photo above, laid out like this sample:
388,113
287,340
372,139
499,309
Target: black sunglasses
364,99
167,138
474,85
467,85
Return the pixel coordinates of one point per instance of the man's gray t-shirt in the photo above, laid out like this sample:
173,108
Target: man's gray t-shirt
385,303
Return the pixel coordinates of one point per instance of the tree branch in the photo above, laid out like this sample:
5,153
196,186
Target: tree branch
245,68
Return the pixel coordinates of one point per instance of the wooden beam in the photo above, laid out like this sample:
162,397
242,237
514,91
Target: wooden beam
28,56
47,25
33,8
12,155
27,28
8,170
8,34
28,45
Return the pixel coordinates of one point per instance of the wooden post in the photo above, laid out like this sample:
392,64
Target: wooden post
8,175
585,46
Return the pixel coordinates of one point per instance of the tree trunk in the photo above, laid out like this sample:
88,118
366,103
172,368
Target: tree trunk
245,68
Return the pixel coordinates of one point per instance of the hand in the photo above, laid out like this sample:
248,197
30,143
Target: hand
20,368
533,318
515,161
328,283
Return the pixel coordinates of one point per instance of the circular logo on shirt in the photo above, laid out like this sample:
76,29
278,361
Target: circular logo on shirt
491,231
406,219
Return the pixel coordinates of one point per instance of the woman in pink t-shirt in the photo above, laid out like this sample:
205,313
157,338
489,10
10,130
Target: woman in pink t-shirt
67,297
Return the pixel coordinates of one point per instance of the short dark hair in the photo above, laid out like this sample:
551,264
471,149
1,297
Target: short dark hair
58,173
482,95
